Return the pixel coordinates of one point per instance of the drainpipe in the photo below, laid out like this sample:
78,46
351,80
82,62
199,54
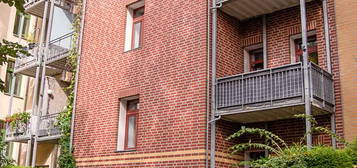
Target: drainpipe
213,80
328,60
208,83
327,35
77,73
306,74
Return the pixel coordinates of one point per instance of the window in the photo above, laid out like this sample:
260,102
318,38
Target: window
311,49
22,24
128,123
256,61
8,80
131,124
254,58
134,26
254,155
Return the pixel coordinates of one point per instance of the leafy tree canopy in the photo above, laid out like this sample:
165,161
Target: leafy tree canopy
19,4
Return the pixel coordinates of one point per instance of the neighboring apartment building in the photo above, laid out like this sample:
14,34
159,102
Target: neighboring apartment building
47,97
13,25
143,96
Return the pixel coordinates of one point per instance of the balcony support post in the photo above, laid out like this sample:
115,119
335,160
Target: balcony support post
333,129
34,153
306,74
12,90
265,52
28,153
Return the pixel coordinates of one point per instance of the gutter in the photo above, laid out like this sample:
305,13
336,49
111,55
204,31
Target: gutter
84,5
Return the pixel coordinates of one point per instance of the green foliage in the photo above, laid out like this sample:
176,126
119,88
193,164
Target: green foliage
322,157
9,49
19,4
18,118
298,155
66,159
271,139
4,160
351,150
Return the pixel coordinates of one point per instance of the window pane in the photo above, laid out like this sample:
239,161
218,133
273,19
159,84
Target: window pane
256,60
137,32
26,26
8,80
17,23
138,12
133,104
131,131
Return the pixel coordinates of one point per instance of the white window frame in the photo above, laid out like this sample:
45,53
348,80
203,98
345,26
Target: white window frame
129,24
292,44
247,56
122,122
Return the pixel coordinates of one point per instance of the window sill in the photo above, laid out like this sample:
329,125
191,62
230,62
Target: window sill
132,50
19,97
123,151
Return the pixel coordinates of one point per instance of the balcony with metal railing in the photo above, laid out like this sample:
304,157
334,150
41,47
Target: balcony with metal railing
58,51
37,7
18,133
56,60
272,94
26,64
48,128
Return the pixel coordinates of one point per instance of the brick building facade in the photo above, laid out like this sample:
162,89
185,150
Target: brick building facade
165,66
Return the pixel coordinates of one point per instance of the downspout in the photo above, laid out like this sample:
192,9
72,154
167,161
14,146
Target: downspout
213,80
328,60
77,73
307,96
208,83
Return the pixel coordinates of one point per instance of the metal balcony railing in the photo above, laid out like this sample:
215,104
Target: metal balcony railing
23,61
47,126
59,47
20,132
275,87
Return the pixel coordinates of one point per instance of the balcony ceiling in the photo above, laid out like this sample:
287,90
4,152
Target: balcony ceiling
245,9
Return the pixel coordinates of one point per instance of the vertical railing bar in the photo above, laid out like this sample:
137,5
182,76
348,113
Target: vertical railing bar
322,88
243,92
271,87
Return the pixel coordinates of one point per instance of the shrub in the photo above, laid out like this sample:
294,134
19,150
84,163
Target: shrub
351,150
323,157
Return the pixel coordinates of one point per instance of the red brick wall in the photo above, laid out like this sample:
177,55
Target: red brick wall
169,70
229,48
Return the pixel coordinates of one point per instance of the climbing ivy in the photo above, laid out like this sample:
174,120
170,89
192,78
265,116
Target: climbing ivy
66,159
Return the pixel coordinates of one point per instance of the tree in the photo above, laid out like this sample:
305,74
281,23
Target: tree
19,4
9,49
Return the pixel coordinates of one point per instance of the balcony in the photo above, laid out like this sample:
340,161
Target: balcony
27,64
19,133
47,127
245,9
273,94
58,51
56,60
37,7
